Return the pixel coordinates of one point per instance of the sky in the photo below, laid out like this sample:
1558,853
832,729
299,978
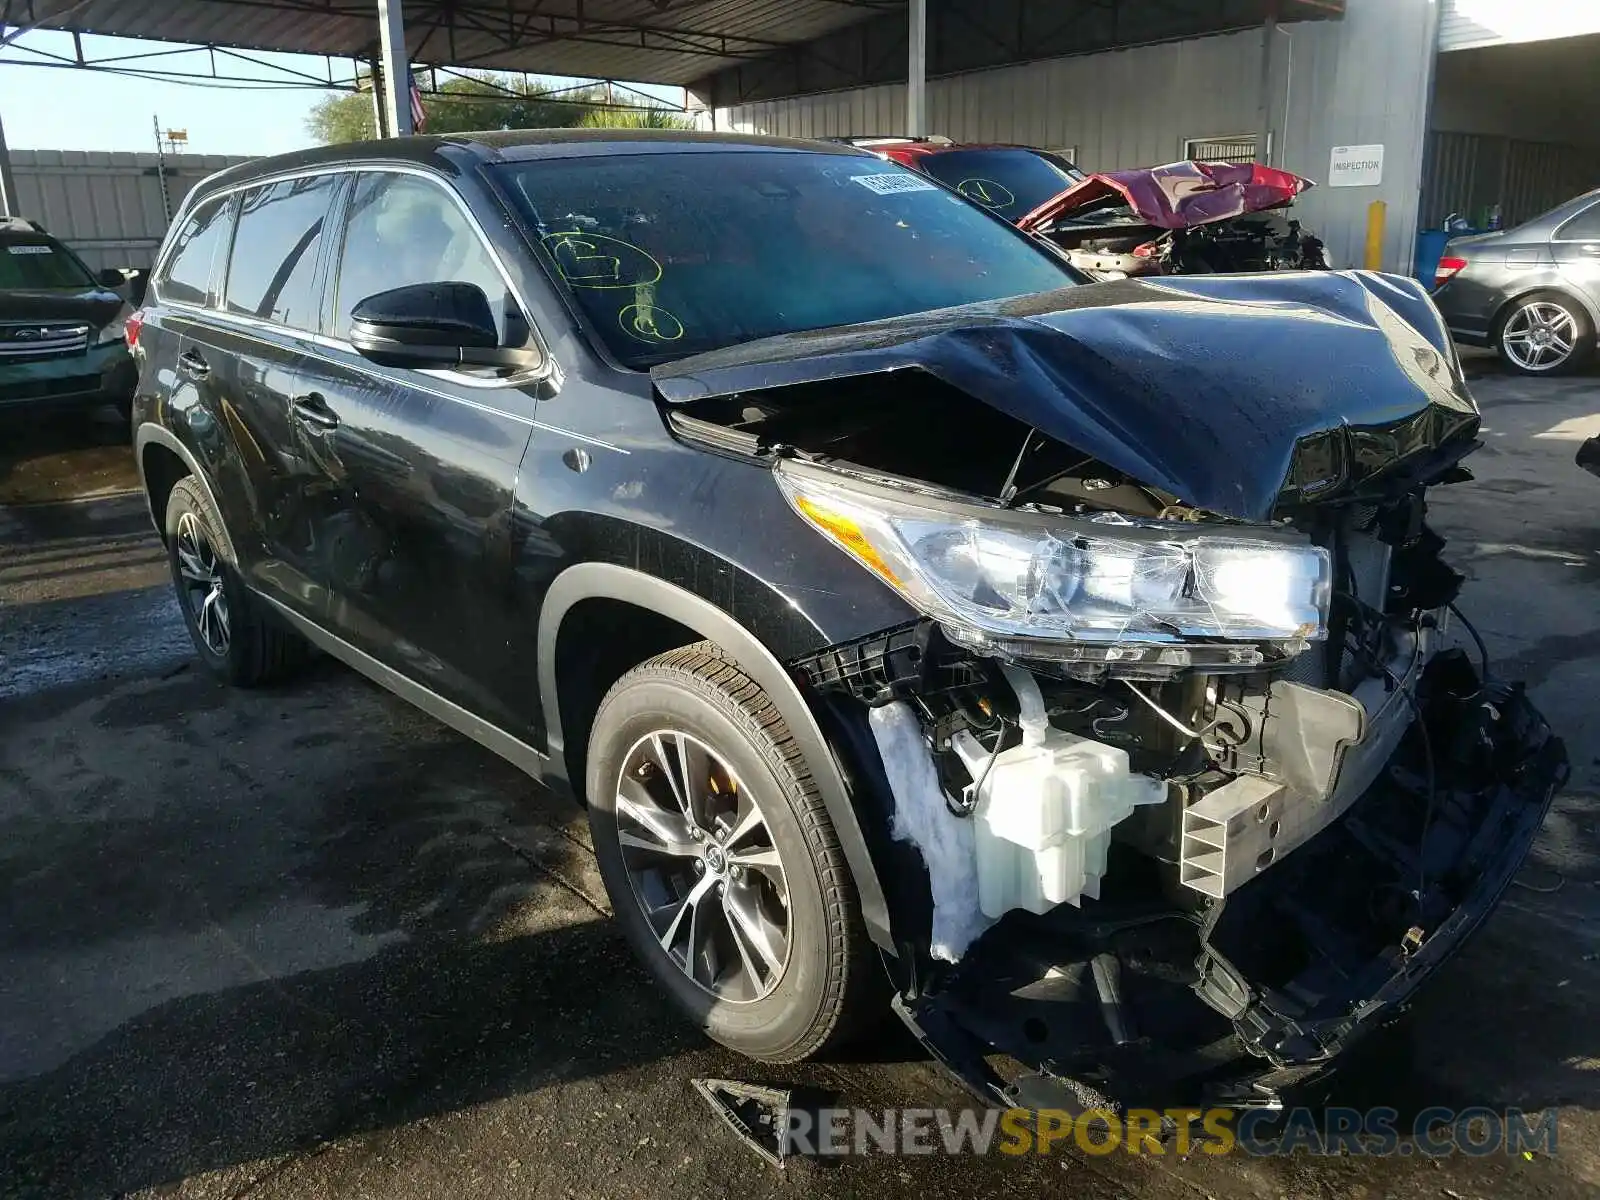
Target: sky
45,108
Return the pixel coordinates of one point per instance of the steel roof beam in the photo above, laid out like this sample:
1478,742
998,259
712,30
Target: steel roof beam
560,27
119,64
975,35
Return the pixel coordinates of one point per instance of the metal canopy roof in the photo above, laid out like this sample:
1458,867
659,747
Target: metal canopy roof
976,35
656,41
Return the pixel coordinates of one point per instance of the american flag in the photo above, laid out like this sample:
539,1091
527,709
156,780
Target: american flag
419,115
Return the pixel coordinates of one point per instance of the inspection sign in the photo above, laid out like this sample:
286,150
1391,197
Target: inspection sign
1356,166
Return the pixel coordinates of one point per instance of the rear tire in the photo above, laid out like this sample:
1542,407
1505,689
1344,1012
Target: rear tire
690,722
1544,333
237,638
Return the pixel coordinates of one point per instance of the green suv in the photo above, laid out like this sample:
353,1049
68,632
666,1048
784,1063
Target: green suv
61,327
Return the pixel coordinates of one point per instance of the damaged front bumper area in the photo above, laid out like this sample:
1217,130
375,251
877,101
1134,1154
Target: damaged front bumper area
1308,956
1152,993
1175,787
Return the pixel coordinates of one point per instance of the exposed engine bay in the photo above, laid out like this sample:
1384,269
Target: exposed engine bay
1289,886
1192,774
1184,218
1116,244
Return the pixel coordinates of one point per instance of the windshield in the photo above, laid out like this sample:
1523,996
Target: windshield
672,254
1010,182
38,264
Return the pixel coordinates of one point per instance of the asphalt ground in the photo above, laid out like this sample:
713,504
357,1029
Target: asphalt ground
306,942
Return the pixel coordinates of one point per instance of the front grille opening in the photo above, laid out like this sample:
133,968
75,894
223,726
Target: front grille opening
33,341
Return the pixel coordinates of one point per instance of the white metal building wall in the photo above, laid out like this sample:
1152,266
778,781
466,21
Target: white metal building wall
1125,108
1464,24
1458,31
1361,80
106,206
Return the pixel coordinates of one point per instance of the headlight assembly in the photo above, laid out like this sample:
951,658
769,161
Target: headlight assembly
995,576
114,330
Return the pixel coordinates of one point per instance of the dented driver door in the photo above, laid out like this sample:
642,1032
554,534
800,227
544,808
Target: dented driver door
424,462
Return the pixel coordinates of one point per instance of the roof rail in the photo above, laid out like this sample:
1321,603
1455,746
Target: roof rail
20,225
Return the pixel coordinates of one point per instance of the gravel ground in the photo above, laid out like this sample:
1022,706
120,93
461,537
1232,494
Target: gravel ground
306,942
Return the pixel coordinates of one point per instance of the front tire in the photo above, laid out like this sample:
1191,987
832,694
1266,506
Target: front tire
722,865
1544,334
235,638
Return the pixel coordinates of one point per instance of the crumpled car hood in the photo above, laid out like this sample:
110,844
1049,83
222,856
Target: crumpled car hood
1178,195
1235,393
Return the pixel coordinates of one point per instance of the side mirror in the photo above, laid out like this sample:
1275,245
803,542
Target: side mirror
433,325
111,277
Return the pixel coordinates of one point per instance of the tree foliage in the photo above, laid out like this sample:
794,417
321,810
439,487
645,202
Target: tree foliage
476,102
635,118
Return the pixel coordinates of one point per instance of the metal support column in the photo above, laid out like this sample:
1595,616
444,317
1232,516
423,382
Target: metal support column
917,72
8,182
374,80
1269,28
396,68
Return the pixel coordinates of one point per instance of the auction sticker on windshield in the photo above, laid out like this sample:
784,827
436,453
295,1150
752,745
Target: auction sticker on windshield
30,249
899,181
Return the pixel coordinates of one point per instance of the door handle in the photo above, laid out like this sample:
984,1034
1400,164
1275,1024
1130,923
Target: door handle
312,408
191,363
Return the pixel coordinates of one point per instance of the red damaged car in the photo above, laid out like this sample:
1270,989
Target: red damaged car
1183,218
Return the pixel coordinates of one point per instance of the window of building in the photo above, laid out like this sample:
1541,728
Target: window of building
1231,149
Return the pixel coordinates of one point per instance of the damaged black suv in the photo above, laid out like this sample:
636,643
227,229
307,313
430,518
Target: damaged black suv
1075,657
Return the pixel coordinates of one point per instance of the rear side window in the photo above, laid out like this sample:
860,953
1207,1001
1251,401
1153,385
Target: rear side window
186,276
1582,228
274,264
403,230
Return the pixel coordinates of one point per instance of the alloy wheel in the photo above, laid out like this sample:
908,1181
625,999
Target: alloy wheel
1540,336
703,866
201,584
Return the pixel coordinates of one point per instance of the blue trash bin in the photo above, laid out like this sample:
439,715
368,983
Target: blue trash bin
1430,249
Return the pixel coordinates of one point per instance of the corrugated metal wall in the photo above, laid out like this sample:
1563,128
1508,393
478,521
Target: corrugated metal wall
1360,80
1495,22
1122,109
1465,173
1457,31
106,206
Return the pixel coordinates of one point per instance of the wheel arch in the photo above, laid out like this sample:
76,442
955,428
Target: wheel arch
163,460
585,582
1572,296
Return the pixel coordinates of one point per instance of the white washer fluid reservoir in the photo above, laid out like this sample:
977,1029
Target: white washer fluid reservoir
1044,810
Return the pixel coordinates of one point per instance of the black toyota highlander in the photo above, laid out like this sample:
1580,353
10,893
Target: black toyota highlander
61,327
1070,667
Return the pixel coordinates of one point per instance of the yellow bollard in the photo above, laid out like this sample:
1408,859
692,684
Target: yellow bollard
1376,212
